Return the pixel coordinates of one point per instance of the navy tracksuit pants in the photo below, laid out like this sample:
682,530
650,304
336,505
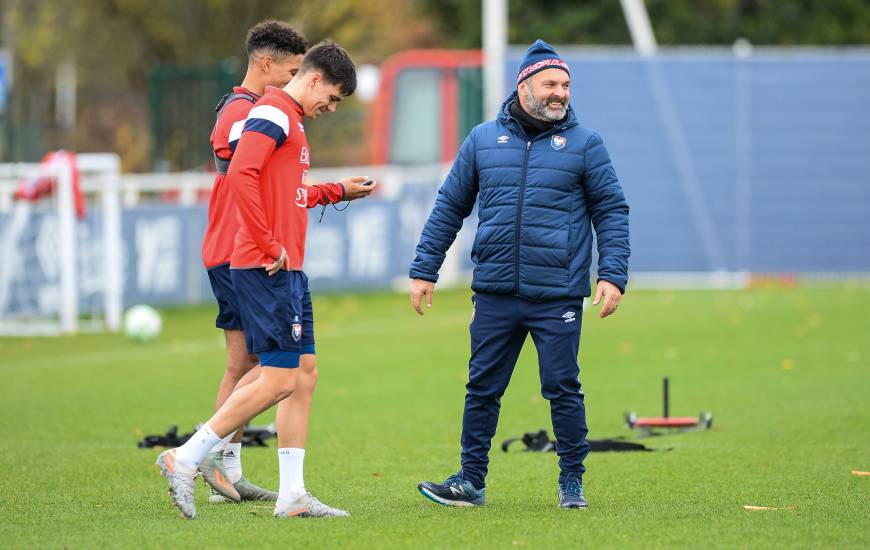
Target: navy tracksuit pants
498,330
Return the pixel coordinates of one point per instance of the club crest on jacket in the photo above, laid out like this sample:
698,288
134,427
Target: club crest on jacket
558,142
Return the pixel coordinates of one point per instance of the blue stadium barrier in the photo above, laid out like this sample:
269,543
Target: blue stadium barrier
757,163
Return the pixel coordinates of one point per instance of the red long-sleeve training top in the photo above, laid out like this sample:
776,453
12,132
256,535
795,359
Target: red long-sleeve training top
267,179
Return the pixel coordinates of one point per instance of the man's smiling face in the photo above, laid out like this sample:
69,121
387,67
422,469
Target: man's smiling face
546,95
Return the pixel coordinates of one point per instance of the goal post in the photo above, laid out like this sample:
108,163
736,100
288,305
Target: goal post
104,170
60,245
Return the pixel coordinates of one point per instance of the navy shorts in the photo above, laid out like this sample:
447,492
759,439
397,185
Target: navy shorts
277,315
229,317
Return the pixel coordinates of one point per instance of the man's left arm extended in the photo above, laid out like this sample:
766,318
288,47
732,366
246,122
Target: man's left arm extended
609,211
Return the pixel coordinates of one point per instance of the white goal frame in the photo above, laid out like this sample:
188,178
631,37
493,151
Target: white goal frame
100,176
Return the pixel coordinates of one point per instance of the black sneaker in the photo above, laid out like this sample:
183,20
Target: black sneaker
571,493
455,491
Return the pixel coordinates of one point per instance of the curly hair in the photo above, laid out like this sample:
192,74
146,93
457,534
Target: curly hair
334,62
275,38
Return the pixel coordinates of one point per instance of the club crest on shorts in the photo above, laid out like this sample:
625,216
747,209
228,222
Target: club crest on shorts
296,329
558,142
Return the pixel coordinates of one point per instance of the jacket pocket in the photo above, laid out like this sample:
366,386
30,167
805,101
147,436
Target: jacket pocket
475,247
568,247
480,250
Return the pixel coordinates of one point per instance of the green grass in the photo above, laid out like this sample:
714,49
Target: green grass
785,372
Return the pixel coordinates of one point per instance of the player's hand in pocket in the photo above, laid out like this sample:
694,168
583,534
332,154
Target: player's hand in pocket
282,261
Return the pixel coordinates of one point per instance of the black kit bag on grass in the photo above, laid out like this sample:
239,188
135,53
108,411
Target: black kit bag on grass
540,442
254,436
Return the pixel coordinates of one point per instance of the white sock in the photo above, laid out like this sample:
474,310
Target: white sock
222,444
191,453
233,461
291,484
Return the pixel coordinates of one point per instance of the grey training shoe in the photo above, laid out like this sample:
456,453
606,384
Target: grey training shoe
181,484
247,491
306,506
212,470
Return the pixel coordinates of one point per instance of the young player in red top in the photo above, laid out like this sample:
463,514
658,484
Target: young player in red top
267,179
275,52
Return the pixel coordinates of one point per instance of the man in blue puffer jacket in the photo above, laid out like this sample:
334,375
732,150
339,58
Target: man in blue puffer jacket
542,183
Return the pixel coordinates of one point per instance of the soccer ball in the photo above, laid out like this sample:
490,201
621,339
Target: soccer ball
142,323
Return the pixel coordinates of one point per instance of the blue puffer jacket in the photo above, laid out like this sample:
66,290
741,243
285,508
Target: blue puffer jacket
538,202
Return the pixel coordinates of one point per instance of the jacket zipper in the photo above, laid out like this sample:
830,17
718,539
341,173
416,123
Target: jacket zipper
520,220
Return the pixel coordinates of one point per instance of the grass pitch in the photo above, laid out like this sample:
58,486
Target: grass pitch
785,372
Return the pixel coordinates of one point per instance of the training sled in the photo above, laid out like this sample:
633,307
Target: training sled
649,424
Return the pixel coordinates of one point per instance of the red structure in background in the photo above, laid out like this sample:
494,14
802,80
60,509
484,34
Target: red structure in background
449,60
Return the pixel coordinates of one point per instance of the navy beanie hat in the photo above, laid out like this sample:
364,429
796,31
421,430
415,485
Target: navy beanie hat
540,56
